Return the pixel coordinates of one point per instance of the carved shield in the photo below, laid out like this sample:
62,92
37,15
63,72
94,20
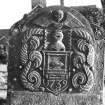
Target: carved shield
55,71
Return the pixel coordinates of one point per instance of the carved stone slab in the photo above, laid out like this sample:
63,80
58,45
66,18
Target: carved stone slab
55,55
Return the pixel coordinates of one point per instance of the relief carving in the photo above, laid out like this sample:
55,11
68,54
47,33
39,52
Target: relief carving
57,55
32,59
83,61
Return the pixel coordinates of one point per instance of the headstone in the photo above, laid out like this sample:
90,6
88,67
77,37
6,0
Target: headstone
56,57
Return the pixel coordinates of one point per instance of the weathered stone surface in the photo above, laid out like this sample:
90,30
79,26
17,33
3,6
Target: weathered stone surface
56,57
56,41
29,98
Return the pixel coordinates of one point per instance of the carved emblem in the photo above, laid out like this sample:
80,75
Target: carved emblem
55,71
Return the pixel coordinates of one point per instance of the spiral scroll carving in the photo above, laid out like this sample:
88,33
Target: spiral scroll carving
35,78
83,61
83,34
80,80
36,57
31,79
32,59
90,82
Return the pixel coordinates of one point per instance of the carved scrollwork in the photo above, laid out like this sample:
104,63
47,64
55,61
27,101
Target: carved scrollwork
34,43
35,78
79,60
31,59
82,80
78,79
83,60
33,55
36,57
90,81
31,79
82,45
